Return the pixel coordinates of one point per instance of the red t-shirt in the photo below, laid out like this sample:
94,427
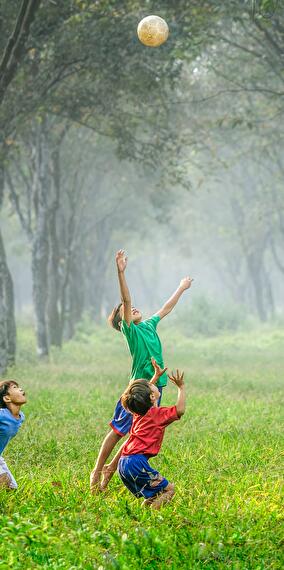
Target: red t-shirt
147,432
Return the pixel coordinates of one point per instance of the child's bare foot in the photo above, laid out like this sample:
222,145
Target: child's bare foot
148,502
106,474
163,497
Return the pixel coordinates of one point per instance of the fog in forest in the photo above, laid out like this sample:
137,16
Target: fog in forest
175,155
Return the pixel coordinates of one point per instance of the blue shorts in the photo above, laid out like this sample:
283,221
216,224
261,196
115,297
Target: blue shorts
139,477
122,420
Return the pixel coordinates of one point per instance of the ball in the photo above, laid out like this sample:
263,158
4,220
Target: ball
153,31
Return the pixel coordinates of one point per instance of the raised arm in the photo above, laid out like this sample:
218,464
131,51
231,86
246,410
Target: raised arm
171,303
158,371
178,380
121,263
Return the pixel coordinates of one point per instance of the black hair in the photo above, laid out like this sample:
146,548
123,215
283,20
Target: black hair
136,398
114,318
4,390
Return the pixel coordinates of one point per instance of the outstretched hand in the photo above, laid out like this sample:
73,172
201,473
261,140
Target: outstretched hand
186,283
177,378
121,260
158,371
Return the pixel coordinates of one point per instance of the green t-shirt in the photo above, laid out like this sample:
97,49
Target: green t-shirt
143,343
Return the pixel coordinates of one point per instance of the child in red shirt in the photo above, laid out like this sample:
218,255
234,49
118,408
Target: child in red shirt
146,436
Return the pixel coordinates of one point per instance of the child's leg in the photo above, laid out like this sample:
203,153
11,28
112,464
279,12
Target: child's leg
120,424
143,481
6,478
109,470
4,481
164,497
107,446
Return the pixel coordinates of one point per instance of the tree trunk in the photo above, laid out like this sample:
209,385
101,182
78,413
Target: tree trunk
68,321
256,275
269,295
53,312
7,314
254,255
100,264
77,289
3,321
73,304
40,289
53,315
7,317
14,50
3,335
10,320
72,287
40,242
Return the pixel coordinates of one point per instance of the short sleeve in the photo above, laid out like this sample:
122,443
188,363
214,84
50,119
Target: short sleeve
153,321
165,416
129,331
125,328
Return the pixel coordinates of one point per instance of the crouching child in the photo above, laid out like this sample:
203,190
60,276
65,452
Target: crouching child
149,422
12,397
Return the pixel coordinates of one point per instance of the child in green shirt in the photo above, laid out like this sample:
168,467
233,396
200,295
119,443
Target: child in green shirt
144,345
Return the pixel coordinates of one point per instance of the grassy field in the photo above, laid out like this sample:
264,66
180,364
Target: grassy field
223,456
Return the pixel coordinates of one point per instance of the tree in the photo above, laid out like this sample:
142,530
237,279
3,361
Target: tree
14,50
102,94
7,318
12,57
84,66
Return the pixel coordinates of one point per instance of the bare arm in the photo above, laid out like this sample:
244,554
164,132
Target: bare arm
178,380
158,371
172,301
121,262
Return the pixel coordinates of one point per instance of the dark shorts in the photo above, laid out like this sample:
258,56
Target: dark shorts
139,477
122,420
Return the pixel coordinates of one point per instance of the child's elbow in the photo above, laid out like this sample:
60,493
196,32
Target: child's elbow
180,412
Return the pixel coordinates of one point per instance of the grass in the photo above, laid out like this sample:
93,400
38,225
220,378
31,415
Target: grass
224,458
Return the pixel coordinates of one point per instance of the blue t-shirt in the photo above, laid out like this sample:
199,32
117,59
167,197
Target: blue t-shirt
9,426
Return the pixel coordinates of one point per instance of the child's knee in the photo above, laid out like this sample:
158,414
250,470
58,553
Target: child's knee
5,481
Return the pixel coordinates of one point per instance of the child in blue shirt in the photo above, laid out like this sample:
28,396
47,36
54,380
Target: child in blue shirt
12,397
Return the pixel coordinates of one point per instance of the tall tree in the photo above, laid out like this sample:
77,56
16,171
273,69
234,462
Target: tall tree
14,50
11,58
7,316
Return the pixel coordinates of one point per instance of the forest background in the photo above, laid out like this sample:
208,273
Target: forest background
175,154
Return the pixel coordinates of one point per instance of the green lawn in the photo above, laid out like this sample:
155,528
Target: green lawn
223,456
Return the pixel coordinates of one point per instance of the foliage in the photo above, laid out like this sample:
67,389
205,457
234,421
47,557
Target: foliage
201,112
84,62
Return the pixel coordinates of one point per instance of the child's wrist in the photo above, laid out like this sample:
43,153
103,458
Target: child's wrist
156,377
